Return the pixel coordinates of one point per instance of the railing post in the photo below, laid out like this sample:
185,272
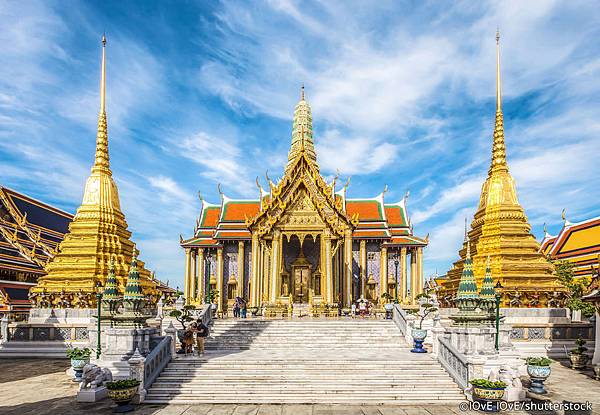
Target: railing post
171,331
4,329
136,371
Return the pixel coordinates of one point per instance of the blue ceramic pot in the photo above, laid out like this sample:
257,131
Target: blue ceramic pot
538,372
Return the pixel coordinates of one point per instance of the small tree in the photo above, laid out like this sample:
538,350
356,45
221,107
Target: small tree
576,287
424,310
184,316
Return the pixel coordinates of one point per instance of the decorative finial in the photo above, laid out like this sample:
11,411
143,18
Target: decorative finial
406,195
466,234
498,83
545,229
200,196
101,160
564,215
103,78
302,92
385,189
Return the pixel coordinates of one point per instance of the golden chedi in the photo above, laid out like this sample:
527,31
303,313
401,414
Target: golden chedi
500,230
97,235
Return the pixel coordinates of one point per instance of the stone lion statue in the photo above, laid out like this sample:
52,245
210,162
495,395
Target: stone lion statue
94,376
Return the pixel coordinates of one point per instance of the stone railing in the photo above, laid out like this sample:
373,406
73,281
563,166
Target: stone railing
399,317
552,331
44,332
156,360
454,362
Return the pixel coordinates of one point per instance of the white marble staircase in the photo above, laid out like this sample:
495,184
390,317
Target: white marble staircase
305,361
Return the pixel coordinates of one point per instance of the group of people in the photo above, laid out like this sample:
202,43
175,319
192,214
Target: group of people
239,307
200,331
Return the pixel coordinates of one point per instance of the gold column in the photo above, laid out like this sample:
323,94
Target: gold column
275,253
420,269
220,278
403,274
186,278
348,255
254,300
328,270
240,276
201,282
383,274
363,268
193,276
413,276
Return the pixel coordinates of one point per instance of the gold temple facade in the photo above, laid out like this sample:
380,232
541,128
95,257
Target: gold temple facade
303,242
97,234
500,230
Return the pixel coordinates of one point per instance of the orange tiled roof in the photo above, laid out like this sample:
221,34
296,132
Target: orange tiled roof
233,234
396,216
210,216
406,240
370,234
237,210
368,210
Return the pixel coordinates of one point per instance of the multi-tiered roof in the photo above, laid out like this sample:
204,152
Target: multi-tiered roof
371,218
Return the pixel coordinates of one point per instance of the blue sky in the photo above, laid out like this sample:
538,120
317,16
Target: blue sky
203,92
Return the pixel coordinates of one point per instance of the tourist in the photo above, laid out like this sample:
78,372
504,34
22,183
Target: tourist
236,307
243,309
201,332
188,339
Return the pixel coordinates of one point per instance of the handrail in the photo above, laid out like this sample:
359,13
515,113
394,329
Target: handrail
156,361
399,317
454,362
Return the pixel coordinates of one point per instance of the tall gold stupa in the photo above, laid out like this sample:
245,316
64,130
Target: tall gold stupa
97,234
500,230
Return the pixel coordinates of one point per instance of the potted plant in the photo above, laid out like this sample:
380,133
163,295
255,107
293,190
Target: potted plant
488,392
122,392
538,369
79,358
419,334
577,355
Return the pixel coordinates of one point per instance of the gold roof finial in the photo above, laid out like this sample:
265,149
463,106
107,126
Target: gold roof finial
498,84
466,235
101,161
498,147
302,92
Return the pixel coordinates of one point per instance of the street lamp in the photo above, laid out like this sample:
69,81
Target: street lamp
99,311
396,262
498,295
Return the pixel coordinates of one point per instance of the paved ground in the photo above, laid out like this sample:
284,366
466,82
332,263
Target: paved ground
39,387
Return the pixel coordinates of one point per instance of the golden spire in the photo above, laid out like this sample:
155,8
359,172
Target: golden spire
302,133
498,148
101,161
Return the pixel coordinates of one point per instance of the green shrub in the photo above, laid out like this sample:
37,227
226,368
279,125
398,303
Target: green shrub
122,384
539,361
580,349
488,384
77,353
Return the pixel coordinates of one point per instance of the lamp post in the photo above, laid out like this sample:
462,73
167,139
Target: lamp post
396,262
498,296
99,311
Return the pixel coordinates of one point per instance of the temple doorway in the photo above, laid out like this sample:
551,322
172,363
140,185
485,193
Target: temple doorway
301,276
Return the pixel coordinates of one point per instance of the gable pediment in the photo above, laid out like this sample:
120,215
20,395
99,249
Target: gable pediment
301,199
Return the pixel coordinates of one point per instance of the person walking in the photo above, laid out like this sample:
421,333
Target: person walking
201,333
236,307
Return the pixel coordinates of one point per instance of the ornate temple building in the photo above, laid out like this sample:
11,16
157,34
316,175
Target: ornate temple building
303,241
30,232
500,230
578,243
97,234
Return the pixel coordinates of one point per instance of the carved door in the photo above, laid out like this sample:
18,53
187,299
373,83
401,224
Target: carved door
301,281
